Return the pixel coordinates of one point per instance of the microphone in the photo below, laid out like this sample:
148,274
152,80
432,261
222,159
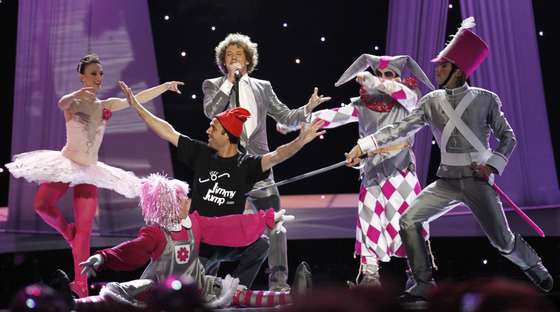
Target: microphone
237,74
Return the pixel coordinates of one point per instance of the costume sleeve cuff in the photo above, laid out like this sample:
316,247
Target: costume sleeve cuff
307,114
367,143
269,218
497,161
226,87
103,255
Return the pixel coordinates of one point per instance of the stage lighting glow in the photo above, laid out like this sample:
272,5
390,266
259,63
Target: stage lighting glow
183,53
451,6
321,137
166,17
433,142
30,303
484,261
285,25
376,48
176,285
193,96
323,39
541,33
322,196
213,28
298,61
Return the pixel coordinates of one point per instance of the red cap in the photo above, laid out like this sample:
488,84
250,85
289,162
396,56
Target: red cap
233,119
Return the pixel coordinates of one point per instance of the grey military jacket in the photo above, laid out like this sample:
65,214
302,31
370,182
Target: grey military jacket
482,116
216,101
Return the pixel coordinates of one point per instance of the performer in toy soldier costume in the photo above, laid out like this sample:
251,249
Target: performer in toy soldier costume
461,118
389,183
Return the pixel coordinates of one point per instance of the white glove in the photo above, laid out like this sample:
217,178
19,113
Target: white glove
389,86
279,218
368,81
283,129
90,266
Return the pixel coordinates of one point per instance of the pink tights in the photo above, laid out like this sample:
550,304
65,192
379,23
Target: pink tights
77,234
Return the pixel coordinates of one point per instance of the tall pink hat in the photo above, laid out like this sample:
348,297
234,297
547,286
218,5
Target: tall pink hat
466,49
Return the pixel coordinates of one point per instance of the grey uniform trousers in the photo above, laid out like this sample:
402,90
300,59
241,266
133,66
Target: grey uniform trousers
440,197
445,194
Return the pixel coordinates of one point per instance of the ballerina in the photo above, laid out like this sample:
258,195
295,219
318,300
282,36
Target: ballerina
76,165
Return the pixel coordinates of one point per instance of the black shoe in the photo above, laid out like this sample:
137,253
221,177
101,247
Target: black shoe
60,282
302,279
407,298
539,275
277,279
411,302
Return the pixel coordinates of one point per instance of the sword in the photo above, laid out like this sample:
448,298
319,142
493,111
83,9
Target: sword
305,175
386,149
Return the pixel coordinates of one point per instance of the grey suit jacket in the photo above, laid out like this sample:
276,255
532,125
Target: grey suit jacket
216,101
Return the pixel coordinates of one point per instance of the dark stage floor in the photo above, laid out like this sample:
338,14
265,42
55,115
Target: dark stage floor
332,263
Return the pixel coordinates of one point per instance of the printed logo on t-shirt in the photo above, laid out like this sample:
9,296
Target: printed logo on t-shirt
182,253
217,194
214,176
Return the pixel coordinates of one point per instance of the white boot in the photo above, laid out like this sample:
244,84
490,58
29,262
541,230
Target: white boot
369,272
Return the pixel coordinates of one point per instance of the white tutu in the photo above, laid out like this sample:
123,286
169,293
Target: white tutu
51,166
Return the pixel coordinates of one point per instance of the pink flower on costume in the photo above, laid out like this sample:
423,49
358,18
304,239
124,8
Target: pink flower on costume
182,254
107,113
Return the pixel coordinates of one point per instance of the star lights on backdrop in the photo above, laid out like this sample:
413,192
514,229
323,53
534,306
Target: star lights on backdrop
297,60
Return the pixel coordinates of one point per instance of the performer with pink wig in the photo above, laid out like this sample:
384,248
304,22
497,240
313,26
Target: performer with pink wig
461,118
171,242
76,165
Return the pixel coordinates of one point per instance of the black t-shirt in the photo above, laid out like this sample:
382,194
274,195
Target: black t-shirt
219,184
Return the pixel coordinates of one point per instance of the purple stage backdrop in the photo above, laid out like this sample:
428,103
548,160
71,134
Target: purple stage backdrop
52,37
513,71
417,28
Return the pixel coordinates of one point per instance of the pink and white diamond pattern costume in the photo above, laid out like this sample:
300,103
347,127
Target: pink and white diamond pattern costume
379,210
388,184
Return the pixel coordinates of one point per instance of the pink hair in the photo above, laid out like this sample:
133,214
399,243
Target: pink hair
160,199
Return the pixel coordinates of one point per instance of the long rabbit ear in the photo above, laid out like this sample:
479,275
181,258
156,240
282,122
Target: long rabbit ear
360,64
418,72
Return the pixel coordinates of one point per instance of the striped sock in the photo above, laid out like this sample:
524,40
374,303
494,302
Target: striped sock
260,298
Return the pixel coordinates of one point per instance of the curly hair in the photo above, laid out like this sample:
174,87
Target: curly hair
242,41
86,60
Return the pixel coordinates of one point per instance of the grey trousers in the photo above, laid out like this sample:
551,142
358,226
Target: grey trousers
440,197
445,194
278,253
